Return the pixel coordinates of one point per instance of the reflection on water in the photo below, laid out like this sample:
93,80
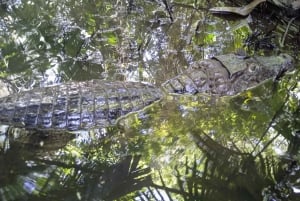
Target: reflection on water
180,148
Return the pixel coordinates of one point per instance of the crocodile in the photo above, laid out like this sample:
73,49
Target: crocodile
96,103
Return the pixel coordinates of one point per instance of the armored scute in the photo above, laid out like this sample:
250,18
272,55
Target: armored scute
76,105
228,74
96,103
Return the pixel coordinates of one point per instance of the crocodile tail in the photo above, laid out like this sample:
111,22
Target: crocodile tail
76,105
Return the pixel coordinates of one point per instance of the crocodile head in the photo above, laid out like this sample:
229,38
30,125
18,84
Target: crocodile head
228,74
250,72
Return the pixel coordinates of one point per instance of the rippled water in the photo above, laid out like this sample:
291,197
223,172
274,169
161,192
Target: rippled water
180,148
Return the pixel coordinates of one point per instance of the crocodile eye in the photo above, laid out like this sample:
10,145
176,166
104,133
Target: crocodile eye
253,67
286,56
203,64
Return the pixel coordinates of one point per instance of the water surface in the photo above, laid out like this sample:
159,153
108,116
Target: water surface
180,148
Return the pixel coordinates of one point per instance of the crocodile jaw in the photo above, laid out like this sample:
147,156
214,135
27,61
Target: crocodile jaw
227,74
258,70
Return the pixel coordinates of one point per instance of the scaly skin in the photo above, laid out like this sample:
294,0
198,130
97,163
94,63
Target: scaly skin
228,75
95,104
76,105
